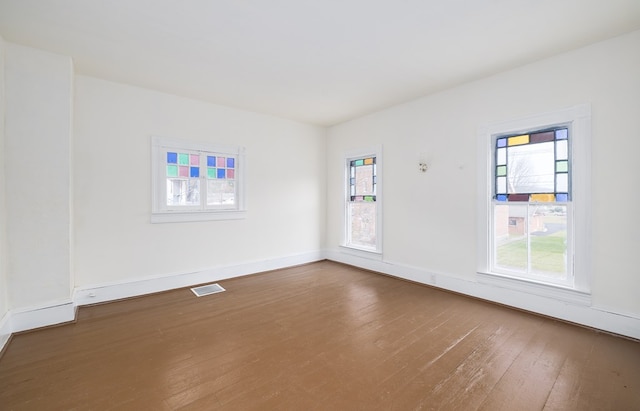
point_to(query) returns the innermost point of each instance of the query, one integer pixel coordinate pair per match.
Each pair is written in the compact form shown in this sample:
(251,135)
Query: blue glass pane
(194,172)
(172,158)
(502,142)
(563,198)
(352,181)
(221,173)
(562,134)
(501,197)
(211,161)
(231,162)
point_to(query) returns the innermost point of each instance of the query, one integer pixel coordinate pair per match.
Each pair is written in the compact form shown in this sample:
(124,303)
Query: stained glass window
(362,179)
(196,181)
(183,172)
(533,167)
(182,176)
(361,205)
(532,192)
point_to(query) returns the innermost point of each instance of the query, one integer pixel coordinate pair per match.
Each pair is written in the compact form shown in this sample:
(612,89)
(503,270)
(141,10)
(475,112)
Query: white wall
(4,303)
(115,241)
(430,219)
(38,109)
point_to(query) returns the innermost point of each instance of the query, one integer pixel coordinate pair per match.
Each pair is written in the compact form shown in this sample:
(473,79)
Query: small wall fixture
(422,162)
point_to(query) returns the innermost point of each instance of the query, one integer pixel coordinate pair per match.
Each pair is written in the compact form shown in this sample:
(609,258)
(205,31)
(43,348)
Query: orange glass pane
(368,161)
(543,198)
(518,140)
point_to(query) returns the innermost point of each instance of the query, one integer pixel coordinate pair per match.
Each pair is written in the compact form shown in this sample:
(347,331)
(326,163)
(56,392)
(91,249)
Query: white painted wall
(4,303)
(115,241)
(38,110)
(430,219)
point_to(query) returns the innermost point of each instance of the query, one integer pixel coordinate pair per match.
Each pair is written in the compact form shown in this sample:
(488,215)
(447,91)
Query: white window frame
(347,246)
(162,213)
(577,287)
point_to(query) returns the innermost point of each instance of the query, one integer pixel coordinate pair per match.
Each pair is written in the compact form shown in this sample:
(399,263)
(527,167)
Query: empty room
(290,205)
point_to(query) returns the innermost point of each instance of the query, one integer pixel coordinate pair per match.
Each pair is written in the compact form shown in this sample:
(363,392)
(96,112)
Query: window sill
(184,217)
(556,292)
(361,252)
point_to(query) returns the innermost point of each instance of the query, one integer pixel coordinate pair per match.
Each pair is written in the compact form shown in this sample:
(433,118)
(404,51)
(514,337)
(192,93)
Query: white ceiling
(315,61)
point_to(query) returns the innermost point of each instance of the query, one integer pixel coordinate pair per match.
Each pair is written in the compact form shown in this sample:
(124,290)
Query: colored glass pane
(221,162)
(368,198)
(194,172)
(501,197)
(562,134)
(172,171)
(518,140)
(211,172)
(501,170)
(562,166)
(542,137)
(518,197)
(562,150)
(562,183)
(562,197)
(358,163)
(172,158)
(501,185)
(231,173)
(368,161)
(501,157)
(543,198)
(501,142)
(183,159)
(231,162)
(183,171)
(221,172)
(211,161)
(194,160)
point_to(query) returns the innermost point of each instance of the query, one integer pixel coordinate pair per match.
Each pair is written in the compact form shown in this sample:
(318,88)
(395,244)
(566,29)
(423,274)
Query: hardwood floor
(317,337)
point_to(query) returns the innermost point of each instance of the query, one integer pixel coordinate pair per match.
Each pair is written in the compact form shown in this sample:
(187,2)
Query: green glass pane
(183,159)
(211,172)
(562,166)
(368,198)
(359,163)
(172,171)
(501,171)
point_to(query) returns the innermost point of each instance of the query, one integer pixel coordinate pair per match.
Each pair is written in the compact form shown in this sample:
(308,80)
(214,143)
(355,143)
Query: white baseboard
(44,315)
(570,306)
(64,311)
(5,330)
(29,318)
(118,290)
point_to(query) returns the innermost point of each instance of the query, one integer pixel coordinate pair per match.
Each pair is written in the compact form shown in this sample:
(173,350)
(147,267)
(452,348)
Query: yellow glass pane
(543,198)
(517,140)
(368,161)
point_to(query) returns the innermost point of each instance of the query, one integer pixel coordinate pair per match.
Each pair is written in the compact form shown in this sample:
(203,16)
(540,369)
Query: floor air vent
(207,289)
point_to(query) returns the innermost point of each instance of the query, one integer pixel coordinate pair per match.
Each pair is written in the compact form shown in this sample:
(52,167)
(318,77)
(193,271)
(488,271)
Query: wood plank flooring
(322,336)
